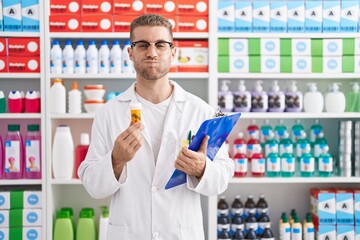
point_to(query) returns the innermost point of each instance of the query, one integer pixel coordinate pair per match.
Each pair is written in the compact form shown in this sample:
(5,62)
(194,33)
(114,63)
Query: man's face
(151,63)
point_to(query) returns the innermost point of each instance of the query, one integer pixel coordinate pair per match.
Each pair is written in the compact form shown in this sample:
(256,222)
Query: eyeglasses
(161,47)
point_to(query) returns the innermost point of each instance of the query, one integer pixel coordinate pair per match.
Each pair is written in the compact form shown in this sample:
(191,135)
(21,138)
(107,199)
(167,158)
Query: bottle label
(302,148)
(239,211)
(241,165)
(240,148)
(271,148)
(319,149)
(253,148)
(12,156)
(222,226)
(241,101)
(287,164)
(307,164)
(223,211)
(325,164)
(296,234)
(32,151)
(273,164)
(255,225)
(314,133)
(286,148)
(237,226)
(309,233)
(258,165)
(265,134)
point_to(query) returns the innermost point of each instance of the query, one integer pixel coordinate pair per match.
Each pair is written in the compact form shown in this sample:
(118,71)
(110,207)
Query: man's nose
(151,51)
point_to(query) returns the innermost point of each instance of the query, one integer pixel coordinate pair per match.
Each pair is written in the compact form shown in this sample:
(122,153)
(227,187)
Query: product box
(193,56)
(30,15)
(192,7)
(192,24)
(96,7)
(345,232)
(20,199)
(357,232)
(128,7)
(331,16)
(160,7)
(349,16)
(357,206)
(261,16)
(64,23)
(348,64)
(348,46)
(96,23)
(233,46)
(24,64)
(301,64)
(65,7)
(323,206)
(122,23)
(332,47)
(233,64)
(316,47)
(332,64)
(254,64)
(3,46)
(313,16)
(270,64)
(296,16)
(243,16)
(173,19)
(278,16)
(12,15)
(285,46)
(270,46)
(33,233)
(326,232)
(1,18)
(301,47)
(226,16)
(357,46)
(344,206)
(254,46)
(21,218)
(4,64)
(286,64)
(23,47)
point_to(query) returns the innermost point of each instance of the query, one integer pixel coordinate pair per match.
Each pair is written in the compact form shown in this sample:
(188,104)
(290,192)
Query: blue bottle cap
(80,42)
(116,42)
(92,42)
(68,42)
(104,42)
(56,42)
(127,42)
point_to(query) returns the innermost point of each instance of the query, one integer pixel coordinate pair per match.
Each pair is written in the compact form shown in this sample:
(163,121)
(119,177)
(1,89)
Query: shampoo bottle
(276,100)
(352,99)
(86,225)
(14,153)
(74,99)
(225,97)
(103,222)
(293,99)
(33,152)
(309,228)
(57,97)
(1,158)
(81,151)
(313,100)
(298,131)
(335,100)
(259,98)
(63,153)
(63,228)
(242,98)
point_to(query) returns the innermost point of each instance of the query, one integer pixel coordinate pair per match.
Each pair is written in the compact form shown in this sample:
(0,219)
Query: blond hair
(150,20)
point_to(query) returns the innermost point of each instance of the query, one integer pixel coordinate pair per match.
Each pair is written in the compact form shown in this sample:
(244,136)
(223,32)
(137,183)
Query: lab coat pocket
(191,231)
(118,233)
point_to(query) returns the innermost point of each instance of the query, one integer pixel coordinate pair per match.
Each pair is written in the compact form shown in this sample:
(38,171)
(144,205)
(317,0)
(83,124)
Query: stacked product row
(18,158)
(117,15)
(288,16)
(291,100)
(21,215)
(287,55)
(18,102)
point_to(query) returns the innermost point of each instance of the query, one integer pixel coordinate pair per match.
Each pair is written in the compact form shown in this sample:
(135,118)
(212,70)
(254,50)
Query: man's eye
(161,45)
(143,45)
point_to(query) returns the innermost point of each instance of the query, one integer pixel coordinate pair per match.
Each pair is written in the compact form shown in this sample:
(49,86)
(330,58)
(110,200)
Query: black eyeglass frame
(133,44)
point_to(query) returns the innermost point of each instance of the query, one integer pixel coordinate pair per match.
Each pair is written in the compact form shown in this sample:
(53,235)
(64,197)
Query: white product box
(313,16)
(349,16)
(270,46)
(226,16)
(5,200)
(357,64)
(20,218)
(239,64)
(278,16)
(331,16)
(243,16)
(33,233)
(238,47)
(345,232)
(301,47)
(326,232)
(12,15)
(270,64)
(29,199)
(332,64)
(301,64)
(30,15)
(332,47)
(296,16)
(261,16)
(4,218)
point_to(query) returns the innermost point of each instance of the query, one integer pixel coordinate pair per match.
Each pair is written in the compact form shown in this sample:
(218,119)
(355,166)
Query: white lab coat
(141,208)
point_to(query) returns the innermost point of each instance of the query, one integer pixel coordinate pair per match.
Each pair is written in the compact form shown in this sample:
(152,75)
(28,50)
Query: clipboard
(218,129)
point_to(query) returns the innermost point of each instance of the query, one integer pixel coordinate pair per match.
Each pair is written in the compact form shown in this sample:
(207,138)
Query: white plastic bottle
(92,58)
(127,66)
(276,98)
(63,153)
(56,58)
(103,222)
(80,58)
(57,97)
(313,99)
(335,100)
(242,98)
(68,57)
(115,57)
(74,99)
(225,97)
(104,58)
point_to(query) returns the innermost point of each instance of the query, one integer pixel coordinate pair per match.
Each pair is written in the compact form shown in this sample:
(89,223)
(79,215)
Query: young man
(132,163)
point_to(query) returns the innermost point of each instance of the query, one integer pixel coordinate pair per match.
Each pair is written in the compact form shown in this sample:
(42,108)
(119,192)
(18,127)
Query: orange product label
(192,24)
(64,23)
(122,22)
(24,64)
(129,7)
(23,46)
(135,116)
(97,23)
(160,6)
(193,7)
(61,7)
(96,7)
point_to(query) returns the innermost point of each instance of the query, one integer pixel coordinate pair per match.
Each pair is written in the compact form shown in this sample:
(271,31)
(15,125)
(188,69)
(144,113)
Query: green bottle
(273,168)
(353,99)
(2,102)
(286,145)
(280,131)
(316,131)
(325,165)
(320,147)
(307,165)
(287,165)
(271,146)
(298,131)
(63,228)
(86,225)
(266,133)
(71,214)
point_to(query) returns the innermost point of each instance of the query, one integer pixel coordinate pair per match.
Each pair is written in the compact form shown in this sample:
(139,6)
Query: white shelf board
(120,35)
(286,180)
(20,115)
(19,34)
(66,182)
(288,35)
(20,75)
(4,182)
(73,116)
(177,75)
(300,115)
(320,76)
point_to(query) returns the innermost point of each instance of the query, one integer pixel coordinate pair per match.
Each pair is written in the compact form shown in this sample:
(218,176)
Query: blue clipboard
(218,129)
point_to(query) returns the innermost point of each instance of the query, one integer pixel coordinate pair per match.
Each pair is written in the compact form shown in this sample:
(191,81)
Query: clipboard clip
(219,113)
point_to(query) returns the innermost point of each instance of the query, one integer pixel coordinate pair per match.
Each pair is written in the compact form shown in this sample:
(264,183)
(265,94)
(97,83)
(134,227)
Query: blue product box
(296,16)
(331,16)
(345,232)
(12,15)
(243,16)
(357,201)
(226,16)
(344,207)
(349,16)
(278,16)
(30,15)
(313,16)
(261,16)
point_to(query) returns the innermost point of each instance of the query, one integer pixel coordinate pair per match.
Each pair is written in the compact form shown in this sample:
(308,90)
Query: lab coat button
(155,234)
(153,189)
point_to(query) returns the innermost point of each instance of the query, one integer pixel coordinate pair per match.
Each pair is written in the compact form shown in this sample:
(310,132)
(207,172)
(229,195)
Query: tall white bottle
(56,58)
(104,58)
(103,223)
(92,58)
(68,58)
(74,99)
(335,100)
(127,65)
(116,57)
(80,58)
(313,99)
(63,153)
(57,97)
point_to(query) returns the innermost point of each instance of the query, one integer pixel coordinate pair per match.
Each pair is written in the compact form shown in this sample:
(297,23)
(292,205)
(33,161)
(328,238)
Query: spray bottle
(225,97)
(242,98)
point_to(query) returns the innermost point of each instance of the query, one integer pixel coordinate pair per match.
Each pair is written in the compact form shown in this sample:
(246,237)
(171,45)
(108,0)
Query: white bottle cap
(312,87)
(242,87)
(84,139)
(224,86)
(2,94)
(293,87)
(258,86)
(275,86)
(135,105)
(335,87)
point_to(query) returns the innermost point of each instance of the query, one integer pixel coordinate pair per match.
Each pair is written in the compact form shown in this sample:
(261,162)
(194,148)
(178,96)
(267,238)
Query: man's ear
(130,52)
(173,53)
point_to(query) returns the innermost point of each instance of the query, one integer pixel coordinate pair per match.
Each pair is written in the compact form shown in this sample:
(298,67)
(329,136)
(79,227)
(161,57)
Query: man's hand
(193,163)
(125,147)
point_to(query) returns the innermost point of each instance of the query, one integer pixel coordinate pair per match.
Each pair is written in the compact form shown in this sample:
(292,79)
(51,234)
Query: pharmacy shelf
(292,76)
(177,75)
(288,35)
(6,182)
(66,182)
(120,35)
(19,34)
(300,115)
(20,115)
(73,116)
(6,76)
(269,180)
